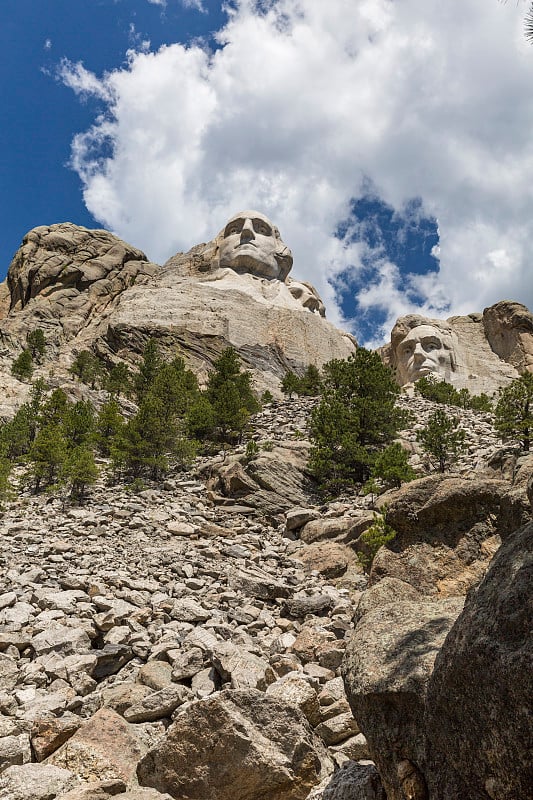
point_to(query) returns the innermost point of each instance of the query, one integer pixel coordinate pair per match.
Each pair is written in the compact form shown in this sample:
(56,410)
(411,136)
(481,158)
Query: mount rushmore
(90,290)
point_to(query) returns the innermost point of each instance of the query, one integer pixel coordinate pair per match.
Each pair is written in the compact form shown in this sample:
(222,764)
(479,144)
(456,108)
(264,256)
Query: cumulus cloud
(301,104)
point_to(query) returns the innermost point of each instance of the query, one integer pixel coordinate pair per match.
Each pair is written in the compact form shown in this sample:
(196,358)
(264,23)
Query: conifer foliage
(514,411)
(354,421)
(441,439)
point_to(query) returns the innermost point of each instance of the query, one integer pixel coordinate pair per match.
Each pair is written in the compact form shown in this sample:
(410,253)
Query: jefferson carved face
(424,351)
(251,243)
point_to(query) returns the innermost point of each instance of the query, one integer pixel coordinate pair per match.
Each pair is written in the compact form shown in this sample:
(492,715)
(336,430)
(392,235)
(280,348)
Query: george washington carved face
(251,243)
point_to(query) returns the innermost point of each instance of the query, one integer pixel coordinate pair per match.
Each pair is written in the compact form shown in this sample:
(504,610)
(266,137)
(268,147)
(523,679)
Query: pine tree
(54,410)
(5,486)
(79,423)
(146,441)
(108,425)
(46,457)
(391,466)
(36,344)
(88,368)
(355,419)
(149,367)
(290,384)
(119,380)
(79,471)
(22,366)
(377,535)
(229,390)
(513,416)
(441,439)
(200,421)
(310,383)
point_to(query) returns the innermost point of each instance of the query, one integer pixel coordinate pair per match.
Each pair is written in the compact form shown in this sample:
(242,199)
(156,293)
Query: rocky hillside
(215,637)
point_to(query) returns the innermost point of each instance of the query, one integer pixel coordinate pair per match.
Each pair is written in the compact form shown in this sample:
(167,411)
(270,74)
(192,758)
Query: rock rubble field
(215,636)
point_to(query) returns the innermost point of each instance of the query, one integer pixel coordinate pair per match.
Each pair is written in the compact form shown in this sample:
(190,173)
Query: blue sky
(388,139)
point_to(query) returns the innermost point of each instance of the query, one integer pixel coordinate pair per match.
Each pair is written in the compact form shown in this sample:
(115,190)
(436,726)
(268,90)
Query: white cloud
(305,100)
(198,4)
(47,44)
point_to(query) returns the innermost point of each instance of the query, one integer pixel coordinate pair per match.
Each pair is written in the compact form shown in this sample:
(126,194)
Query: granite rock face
(386,670)
(478,710)
(90,290)
(508,327)
(480,352)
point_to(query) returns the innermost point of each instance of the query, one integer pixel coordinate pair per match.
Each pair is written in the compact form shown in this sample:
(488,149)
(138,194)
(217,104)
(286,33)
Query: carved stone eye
(233,228)
(262,228)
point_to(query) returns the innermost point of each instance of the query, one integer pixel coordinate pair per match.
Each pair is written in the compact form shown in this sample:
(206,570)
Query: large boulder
(386,670)
(104,747)
(479,701)
(447,530)
(235,745)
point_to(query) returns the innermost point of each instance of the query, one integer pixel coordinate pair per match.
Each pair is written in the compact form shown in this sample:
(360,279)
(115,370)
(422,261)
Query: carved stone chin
(250,242)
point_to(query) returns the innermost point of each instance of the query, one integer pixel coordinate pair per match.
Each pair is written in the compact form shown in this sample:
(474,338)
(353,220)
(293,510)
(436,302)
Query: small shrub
(379,533)
(252,450)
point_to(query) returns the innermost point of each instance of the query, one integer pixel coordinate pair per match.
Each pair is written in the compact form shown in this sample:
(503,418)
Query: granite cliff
(90,290)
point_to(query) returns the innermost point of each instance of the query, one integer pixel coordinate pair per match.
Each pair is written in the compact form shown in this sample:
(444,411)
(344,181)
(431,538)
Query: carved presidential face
(424,351)
(251,243)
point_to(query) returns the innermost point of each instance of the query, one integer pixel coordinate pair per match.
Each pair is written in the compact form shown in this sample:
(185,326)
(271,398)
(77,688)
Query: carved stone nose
(247,231)
(419,353)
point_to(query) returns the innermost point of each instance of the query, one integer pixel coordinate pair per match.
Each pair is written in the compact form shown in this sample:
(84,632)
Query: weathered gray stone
(388,663)
(34,782)
(259,749)
(158,705)
(354,782)
(478,712)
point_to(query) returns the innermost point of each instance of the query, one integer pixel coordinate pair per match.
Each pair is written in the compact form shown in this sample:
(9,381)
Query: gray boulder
(235,745)
(479,703)
(387,666)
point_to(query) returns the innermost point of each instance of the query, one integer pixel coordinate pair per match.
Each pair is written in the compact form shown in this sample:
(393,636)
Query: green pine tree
(79,423)
(149,367)
(89,369)
(46,457)
(391,467)
(5,485)
(119,380)
(513,416)
(200,421)
(22,367)
(377,535)
(355,419)
(79,471)
(310,384)
(229,390)
(290,384)
(108,425)
(36,344)
(441,439)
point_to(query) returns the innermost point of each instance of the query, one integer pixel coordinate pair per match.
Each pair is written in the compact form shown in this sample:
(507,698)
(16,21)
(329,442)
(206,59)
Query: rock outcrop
(386,671)
(478,708)
(480,352)
(90,290)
